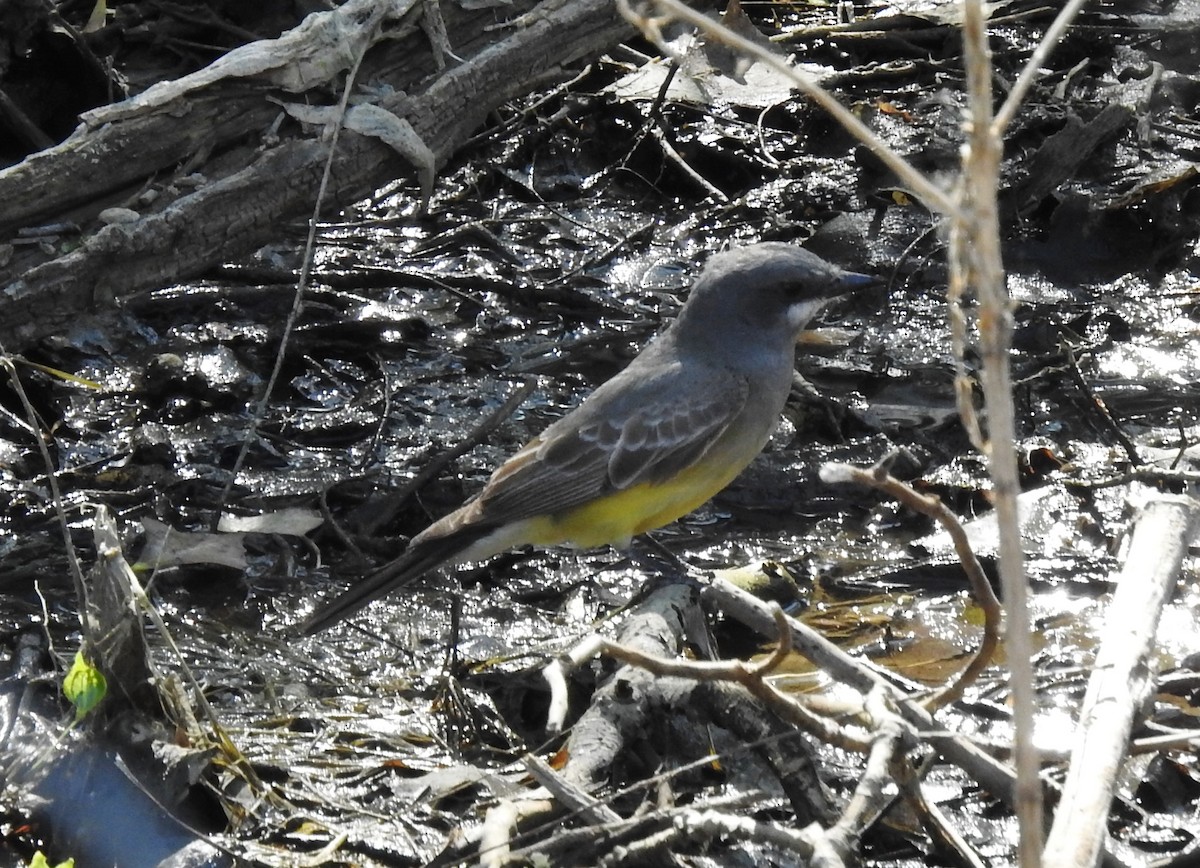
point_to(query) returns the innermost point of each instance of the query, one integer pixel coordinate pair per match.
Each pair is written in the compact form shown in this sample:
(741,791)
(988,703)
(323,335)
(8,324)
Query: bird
(652,443)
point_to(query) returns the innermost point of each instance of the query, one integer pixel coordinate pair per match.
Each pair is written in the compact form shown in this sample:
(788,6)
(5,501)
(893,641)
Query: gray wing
(628,432)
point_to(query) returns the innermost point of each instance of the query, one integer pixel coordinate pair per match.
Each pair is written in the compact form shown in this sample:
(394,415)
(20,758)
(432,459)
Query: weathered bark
(248,191)
(1121,679)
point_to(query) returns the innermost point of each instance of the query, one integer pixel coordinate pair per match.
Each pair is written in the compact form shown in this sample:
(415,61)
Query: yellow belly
(616,518)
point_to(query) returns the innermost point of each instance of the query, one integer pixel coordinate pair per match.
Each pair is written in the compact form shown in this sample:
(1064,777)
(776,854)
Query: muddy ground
(555,245)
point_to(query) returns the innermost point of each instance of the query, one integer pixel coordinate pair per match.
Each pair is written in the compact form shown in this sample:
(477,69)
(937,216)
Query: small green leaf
(62,375)
(98,17)
(84,686)
(39,861)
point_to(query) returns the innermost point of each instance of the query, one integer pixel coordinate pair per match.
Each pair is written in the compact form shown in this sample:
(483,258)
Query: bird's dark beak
(850,282)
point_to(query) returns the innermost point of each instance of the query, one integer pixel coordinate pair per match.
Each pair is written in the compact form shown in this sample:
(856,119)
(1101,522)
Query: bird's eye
(793,289)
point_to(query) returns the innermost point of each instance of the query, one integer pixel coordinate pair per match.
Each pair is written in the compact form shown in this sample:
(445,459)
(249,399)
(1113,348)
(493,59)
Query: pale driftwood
(891,738)
(619,708)
(247,195)
(618,712)
(556,672)
(1120,680)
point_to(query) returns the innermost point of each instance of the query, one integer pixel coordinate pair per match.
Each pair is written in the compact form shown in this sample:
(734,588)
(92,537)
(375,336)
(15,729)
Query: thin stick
(981,589)
(751,676)
(260,408)
(981,267)
(929,193)
(55,495)
(1034,66)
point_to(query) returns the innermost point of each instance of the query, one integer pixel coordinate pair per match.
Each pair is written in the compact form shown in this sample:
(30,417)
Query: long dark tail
(414,563)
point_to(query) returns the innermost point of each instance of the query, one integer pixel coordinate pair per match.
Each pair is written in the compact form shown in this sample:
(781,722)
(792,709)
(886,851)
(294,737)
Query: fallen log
(250,188)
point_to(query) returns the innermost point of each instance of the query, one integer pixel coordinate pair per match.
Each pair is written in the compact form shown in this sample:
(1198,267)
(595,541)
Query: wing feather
(649,433)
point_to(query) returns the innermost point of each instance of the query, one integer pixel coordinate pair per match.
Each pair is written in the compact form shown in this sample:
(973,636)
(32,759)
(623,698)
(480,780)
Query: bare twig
(260,407)
(555,673)
(55,493)
(937,825)
(718,824)
(385,511)
(581,803)
(931,506)
(852,672)
(1156,476)
(752,676)
(495,843)
(1098,407)
(933,196)
(1034,66)
(890,736)
(975,262)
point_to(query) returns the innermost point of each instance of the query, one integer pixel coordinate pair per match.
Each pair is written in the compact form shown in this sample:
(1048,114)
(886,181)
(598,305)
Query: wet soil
(554,247)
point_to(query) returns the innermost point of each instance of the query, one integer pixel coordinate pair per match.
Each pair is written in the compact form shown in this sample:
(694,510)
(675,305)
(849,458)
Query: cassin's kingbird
(654,442)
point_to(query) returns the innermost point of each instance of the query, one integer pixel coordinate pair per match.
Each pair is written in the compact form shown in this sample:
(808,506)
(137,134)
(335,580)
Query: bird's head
(765,292)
